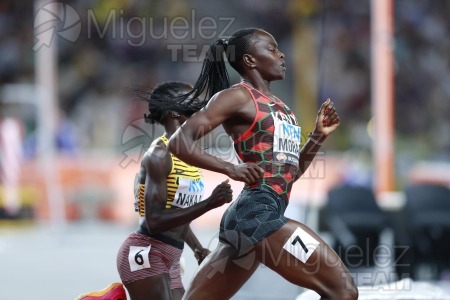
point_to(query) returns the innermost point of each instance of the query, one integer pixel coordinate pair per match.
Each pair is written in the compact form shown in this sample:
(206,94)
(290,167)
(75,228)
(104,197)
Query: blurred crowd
(135,42)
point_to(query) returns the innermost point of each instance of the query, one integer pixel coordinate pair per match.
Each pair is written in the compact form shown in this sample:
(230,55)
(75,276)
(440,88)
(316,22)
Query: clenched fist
(222,194)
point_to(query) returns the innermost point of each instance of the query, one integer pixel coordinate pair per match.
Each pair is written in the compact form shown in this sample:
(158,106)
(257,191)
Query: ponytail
(213,76)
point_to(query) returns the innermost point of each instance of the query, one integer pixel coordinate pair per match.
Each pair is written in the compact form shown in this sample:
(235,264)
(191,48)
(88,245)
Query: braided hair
(161,100)
(214,76)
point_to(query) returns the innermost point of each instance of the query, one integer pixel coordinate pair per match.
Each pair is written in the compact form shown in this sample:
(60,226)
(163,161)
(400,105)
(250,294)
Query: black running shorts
(254,215)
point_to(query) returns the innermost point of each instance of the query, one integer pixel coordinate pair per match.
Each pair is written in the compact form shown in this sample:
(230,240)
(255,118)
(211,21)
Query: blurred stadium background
(70,141)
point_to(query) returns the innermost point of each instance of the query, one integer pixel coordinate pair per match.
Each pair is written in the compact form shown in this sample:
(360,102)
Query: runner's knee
(347,293)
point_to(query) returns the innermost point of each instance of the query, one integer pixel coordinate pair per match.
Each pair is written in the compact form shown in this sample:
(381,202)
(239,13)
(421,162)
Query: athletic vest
(185,186)
(272,142)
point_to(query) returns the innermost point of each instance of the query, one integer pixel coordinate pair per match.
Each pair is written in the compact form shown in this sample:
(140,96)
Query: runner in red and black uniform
(279,157)
(254,229)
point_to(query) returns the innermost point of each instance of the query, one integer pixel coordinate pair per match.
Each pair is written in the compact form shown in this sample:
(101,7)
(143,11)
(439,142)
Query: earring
(175,115)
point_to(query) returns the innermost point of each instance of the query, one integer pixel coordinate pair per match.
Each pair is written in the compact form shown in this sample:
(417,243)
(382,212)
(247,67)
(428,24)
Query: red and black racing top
(272,142)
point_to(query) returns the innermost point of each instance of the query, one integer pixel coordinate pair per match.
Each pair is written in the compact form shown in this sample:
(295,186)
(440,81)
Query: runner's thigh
(155,287)
(299,255)
(221,274)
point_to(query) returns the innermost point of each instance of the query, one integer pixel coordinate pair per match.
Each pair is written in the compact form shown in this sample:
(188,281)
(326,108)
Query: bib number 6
(138,258)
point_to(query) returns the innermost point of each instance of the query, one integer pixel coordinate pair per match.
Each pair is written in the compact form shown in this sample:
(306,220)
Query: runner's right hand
(248,173)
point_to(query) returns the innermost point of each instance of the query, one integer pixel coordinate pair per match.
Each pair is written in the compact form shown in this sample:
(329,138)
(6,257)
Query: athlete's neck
(171,126)
(262,86)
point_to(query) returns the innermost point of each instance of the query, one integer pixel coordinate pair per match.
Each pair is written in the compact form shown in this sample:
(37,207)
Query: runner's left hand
(327,119)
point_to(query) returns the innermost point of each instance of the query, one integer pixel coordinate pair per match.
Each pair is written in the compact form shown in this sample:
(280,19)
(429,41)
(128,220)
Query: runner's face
(268,59)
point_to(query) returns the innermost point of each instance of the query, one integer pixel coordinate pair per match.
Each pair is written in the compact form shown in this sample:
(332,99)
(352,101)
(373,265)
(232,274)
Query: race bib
(301,244)
(138,257)
(189,192)
(286,142)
